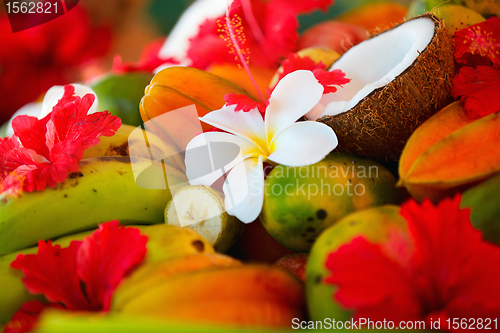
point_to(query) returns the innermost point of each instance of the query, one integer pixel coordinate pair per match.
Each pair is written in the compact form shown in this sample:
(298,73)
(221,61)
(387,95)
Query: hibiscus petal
(31,132)
(371,284)
(54,94)
(452,262)
(25,319)
(244,190)
(51,272)
(303,143)
(210,155)
(247,125)
(294,96)
(32,109)
(476,87)
(104,259)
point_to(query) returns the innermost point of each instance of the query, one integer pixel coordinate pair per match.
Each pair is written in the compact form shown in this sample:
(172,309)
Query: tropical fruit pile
(342,175)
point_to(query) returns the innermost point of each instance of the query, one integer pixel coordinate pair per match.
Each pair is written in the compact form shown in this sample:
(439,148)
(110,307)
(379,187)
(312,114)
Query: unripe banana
(165,242)
(201,208)
(103,189)
(152,274)
(251,295)
(139,142)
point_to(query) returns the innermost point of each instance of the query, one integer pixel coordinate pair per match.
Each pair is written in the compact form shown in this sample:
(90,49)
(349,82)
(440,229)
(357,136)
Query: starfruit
(449,153)
(176,87)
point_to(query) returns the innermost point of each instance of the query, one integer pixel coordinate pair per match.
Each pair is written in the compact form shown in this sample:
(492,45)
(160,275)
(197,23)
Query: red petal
(479,89)
(106,257)
(481,39)
(454,268)
(328,79)
(375,286)
(25,319)
(244,103)
(52,272)
(31,132)
(294,62)
(148,61)
(277,20)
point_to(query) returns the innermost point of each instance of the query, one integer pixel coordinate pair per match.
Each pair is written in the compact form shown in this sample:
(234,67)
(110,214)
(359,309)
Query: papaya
(484,202)
(450,153)
(301,202)
(378,225)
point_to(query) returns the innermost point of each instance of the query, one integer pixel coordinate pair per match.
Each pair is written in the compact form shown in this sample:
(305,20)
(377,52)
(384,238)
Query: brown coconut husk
(381,123)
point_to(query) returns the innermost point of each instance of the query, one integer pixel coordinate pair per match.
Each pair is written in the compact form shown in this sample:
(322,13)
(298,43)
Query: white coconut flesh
(374,63)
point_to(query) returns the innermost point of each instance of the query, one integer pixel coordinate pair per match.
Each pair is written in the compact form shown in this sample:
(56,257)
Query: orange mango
(375,16)
(449,153)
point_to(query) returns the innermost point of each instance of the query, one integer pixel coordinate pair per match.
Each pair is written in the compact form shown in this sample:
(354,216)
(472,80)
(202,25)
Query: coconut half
(399,78)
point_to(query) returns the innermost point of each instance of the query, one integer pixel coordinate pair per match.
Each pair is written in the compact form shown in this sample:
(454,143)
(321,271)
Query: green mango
(121,94)
(484,203)
(374,224)
(301,202)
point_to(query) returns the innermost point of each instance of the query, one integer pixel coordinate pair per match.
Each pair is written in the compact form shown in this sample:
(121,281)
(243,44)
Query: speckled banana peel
(103,189)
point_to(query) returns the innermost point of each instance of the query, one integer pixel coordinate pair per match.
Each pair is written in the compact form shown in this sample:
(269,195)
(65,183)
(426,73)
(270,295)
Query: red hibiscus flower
(148,62)
(33,60)
(478,83)
(451,272)
(293,63)
(42,152)
(270,29)
(81,277)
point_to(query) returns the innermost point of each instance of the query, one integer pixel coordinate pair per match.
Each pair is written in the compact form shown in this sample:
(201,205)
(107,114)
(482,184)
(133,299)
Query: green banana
(135,141)
(12,291)
(164,243)
(103,189)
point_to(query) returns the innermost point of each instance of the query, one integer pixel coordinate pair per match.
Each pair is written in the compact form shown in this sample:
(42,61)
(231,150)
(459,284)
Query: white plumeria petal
(247,125)
(55,93)
(244,190)
(32,109)
(210,155)
(294,96)
(303,143)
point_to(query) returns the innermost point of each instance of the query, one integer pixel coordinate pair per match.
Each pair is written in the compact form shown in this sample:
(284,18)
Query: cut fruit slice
(202,209)
(399,79)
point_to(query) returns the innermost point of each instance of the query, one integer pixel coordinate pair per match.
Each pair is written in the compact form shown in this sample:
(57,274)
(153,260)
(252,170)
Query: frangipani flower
(277,139)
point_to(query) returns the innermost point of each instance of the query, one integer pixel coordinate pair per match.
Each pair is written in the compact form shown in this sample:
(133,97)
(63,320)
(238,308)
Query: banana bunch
(107,186)
(165,243)
(228,293)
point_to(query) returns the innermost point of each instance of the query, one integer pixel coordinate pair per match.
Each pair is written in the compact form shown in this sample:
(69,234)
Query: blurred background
(83,43)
